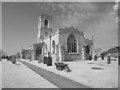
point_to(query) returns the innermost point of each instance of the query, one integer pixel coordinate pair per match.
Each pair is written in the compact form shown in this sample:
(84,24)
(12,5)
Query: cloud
(105,32)
(92,18)
(72,14)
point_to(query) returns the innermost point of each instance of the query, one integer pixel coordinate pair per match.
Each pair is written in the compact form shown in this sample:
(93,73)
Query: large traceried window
(71,44)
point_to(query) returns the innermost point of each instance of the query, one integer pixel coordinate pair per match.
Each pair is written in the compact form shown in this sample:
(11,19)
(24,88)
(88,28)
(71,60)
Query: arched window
(71,44)
(46,23)
(53,46)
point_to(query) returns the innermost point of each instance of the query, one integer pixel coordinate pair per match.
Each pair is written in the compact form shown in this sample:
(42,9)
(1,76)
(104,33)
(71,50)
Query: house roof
(38,44)
(25,51)
(113,50)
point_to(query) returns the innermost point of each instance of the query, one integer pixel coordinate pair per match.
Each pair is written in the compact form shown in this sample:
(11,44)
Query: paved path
(57,80)
(0,75)
(119,77)
(19,76)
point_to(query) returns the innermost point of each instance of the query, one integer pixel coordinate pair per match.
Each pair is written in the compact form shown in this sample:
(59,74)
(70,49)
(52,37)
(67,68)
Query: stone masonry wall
(63,42)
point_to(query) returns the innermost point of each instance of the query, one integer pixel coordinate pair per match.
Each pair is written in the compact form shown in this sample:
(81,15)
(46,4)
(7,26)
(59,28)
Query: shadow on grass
(113,59)
(97,68)
(90,63)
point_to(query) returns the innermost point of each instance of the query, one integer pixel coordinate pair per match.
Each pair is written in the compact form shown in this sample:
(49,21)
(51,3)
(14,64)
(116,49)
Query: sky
(19,22)
(0,25)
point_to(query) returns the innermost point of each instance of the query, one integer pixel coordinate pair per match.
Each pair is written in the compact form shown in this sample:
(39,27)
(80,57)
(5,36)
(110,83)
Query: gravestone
(49,61)
(108,59)
(95,57)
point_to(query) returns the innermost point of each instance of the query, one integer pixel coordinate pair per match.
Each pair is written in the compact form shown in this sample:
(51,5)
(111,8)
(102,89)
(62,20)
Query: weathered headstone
(102,56)
(90,57)
(108,59)
(119,59)
(95,57)
(49,61)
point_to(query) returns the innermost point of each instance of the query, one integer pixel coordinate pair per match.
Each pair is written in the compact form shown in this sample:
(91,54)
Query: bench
(60,66)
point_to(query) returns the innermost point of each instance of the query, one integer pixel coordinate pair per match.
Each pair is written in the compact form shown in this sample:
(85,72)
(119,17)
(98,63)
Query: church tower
(44,26)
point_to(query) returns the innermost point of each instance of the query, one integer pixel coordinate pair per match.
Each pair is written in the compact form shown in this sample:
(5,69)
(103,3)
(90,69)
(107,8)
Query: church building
(62,44)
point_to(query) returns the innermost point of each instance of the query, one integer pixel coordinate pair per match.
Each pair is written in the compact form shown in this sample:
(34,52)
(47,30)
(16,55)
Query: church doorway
(38,52)
(87,53)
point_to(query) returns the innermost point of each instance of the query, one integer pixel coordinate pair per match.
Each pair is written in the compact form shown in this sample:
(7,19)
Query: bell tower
(44,26)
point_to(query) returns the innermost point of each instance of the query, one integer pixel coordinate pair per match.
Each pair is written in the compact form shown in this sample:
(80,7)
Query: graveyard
(95,74)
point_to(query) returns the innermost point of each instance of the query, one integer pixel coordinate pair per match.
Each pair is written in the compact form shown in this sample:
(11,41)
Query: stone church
(62,44)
